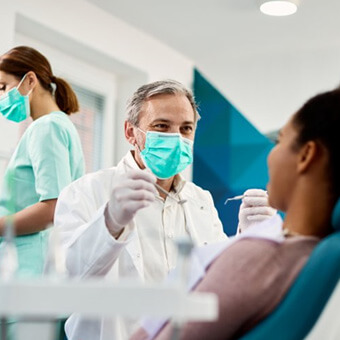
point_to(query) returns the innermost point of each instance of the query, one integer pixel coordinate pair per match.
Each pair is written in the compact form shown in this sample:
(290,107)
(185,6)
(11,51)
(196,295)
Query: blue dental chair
(295,316)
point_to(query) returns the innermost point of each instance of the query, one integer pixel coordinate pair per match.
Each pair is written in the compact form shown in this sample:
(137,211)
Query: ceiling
(212,32)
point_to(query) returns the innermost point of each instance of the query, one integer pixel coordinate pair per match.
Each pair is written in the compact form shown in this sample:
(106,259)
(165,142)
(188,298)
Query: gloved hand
(132,191)
(254,209)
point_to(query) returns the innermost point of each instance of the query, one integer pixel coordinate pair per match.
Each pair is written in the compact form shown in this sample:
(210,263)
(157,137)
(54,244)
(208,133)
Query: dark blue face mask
(166,154)
(14,106)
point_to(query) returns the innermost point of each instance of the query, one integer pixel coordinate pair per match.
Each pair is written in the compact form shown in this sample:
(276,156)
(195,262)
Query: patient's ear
(307,155)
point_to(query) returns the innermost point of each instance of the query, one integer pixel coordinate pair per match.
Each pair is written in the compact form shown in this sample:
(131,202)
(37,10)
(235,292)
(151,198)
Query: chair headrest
(336,215)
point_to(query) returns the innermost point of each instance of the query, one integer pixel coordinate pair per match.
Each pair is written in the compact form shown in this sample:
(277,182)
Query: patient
(253,274)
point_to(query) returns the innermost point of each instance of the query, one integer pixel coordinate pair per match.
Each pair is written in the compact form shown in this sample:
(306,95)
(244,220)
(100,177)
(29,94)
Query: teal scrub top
(48,157)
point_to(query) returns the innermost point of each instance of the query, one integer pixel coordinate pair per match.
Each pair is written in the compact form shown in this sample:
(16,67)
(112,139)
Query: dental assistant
(48,156)
(115,224)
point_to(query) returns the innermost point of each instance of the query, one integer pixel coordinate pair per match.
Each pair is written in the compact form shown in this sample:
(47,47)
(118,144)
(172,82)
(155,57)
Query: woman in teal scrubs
(49,154)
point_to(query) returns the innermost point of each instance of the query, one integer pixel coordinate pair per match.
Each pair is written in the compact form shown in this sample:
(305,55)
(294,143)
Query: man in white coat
(116,223)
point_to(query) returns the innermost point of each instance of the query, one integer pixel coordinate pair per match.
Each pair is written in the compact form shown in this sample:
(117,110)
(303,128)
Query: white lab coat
(92,251)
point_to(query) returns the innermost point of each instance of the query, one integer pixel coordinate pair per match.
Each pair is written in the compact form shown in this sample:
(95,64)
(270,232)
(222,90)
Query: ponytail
(65,97)
(22,59)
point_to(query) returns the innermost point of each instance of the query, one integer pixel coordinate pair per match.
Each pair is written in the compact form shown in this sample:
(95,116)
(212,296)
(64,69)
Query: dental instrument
(179,201)
(239,197)
(235,198)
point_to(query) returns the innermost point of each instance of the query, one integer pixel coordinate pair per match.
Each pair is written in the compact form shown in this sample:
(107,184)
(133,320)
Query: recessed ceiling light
(278,7)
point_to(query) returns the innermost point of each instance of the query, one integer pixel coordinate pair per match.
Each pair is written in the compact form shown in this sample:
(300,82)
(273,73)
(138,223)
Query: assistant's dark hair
(319,120)
(22,59)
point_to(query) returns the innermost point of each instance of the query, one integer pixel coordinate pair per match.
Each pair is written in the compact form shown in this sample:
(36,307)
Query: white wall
(268,86)
(97,30)
(84,31)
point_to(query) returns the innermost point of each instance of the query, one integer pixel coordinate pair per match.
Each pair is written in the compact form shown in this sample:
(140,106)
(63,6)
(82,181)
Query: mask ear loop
(138,148)
(136,145)
(29,92)
(21,81)
(138,128)
(140,151)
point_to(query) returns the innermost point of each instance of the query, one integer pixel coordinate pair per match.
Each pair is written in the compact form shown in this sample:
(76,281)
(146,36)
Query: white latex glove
(132,191)
(254,209)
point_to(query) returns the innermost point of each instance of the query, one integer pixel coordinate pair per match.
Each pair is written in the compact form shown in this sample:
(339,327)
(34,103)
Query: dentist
(115,223)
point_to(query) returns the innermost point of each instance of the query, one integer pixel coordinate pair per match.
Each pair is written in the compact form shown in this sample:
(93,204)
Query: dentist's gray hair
(168,86)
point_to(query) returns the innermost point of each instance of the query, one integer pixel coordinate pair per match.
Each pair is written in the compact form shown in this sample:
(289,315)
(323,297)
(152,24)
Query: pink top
(250,278)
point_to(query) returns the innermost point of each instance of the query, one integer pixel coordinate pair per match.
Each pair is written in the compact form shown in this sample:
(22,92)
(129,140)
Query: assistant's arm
(49,154)
(32,219)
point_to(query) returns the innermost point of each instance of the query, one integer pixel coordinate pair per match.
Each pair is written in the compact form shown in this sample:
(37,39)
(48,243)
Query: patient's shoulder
(256,255)
(252,276)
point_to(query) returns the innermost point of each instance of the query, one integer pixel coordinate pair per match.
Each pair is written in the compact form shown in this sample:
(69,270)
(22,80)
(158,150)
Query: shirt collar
(129,161)
(178,184)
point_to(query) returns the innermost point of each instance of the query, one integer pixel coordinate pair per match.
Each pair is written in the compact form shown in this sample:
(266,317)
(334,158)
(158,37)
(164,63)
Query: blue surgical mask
(166,154)
(14,106)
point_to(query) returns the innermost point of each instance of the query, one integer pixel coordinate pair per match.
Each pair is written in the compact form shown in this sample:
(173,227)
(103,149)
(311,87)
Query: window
(89,123)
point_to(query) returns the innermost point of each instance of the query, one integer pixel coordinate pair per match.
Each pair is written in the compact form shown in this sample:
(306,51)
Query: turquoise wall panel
(229,154)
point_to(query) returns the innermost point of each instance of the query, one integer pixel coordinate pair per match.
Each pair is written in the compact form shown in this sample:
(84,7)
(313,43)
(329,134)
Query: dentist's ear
(130,133)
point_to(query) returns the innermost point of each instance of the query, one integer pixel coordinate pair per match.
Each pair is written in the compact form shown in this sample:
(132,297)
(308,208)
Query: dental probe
(168,194)
(239,197)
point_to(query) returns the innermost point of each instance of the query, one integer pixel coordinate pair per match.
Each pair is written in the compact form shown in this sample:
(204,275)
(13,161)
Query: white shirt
(146,248)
